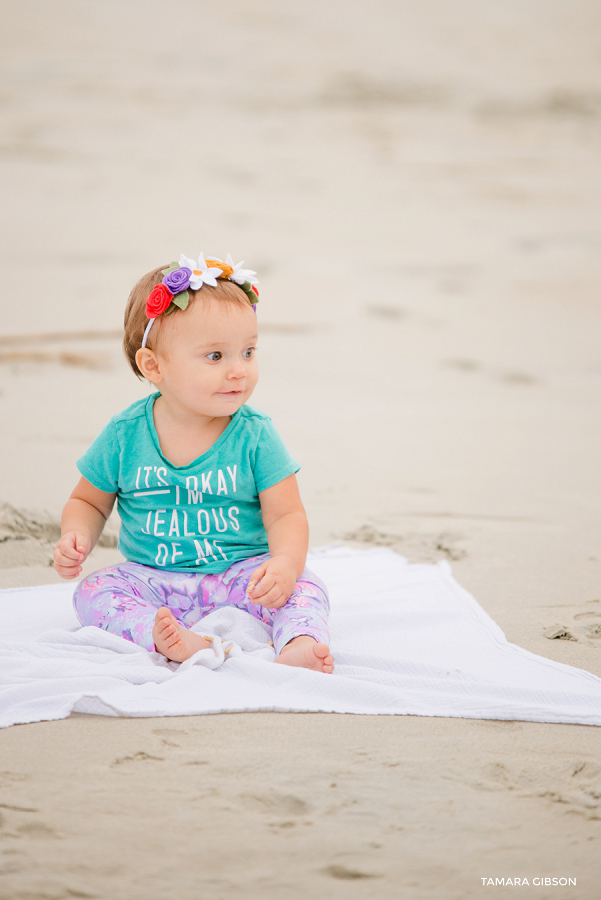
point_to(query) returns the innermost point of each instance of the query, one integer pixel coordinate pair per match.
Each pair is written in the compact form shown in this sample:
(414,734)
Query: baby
(210,510)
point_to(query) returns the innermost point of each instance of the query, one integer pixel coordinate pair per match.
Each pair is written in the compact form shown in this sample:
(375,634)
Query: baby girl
(210,510)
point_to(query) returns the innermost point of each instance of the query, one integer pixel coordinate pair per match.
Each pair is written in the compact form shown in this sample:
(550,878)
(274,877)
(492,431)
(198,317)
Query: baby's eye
(215,356)
(248,353)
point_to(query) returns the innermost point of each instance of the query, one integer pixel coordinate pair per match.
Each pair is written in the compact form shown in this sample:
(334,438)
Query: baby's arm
(83,519)
(287,530)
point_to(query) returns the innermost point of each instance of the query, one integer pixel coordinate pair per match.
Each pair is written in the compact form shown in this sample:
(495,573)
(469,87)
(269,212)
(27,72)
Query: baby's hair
(135,319)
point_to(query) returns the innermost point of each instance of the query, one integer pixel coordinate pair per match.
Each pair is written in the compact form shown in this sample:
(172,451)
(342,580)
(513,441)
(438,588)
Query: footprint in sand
(341,872)
(284,804)
(140,756)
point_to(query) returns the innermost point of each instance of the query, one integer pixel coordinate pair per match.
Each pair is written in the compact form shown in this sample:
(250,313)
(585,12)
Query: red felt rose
(254,289)
(158,300)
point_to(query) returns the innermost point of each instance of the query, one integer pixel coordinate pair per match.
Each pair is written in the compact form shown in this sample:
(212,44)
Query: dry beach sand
(417,184)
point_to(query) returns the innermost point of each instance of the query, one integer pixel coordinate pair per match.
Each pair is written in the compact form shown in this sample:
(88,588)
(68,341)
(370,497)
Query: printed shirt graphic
(201,517)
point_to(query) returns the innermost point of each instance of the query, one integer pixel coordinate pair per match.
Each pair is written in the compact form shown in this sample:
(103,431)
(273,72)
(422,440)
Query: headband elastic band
(146,332)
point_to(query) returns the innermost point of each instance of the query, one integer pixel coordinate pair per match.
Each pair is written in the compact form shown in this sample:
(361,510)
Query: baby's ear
(148,365)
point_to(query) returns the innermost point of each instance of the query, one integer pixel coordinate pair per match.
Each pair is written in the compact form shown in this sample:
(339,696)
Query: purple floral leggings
(124,598)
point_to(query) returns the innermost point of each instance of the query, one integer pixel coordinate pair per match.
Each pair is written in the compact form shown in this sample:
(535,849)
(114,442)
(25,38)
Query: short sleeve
(101,462)
(272,461)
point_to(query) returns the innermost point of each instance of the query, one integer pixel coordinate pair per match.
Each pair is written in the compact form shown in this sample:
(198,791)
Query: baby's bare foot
(305,651)
(173,640)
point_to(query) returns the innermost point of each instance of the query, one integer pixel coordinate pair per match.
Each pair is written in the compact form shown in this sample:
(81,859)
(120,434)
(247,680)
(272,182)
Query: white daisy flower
(201,272)
(239,274)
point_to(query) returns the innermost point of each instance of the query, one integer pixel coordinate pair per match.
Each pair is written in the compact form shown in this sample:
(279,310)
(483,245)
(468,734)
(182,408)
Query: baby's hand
(70,553)
(278,577)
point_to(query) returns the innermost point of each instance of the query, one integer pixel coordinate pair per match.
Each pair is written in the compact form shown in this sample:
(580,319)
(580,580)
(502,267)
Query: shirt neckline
(199,459)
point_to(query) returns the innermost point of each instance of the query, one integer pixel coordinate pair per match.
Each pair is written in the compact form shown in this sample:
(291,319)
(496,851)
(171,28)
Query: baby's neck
(184,437)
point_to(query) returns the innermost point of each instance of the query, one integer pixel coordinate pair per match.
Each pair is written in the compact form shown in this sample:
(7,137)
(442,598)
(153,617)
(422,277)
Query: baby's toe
(322,652)
(161,627)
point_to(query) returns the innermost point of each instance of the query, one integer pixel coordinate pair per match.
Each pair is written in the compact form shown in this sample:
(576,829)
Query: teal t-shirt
(202,517)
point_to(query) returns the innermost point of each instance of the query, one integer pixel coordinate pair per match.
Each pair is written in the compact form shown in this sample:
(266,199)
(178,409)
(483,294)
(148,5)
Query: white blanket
(407,639)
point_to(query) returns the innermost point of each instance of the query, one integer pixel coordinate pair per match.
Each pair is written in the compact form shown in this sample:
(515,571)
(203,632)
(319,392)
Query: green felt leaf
(170,309)
(182,299)
(247,288)
(172,267)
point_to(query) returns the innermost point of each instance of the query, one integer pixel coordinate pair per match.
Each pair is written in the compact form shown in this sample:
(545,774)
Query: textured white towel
(407,640)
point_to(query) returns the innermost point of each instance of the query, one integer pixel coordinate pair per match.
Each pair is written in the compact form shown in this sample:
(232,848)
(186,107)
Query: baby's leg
(300,631)
(300,628)
(143,606)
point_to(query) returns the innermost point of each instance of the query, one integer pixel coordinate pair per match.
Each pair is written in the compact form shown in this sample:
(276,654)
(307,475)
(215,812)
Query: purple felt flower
(178,280)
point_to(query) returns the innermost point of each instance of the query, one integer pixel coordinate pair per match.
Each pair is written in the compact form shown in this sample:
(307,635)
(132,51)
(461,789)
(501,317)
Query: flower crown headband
(189,274)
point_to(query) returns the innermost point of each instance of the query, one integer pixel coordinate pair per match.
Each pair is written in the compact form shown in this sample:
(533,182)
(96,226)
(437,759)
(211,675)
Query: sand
(418,186)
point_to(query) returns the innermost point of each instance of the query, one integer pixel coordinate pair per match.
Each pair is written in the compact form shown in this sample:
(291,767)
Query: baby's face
(209,366)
